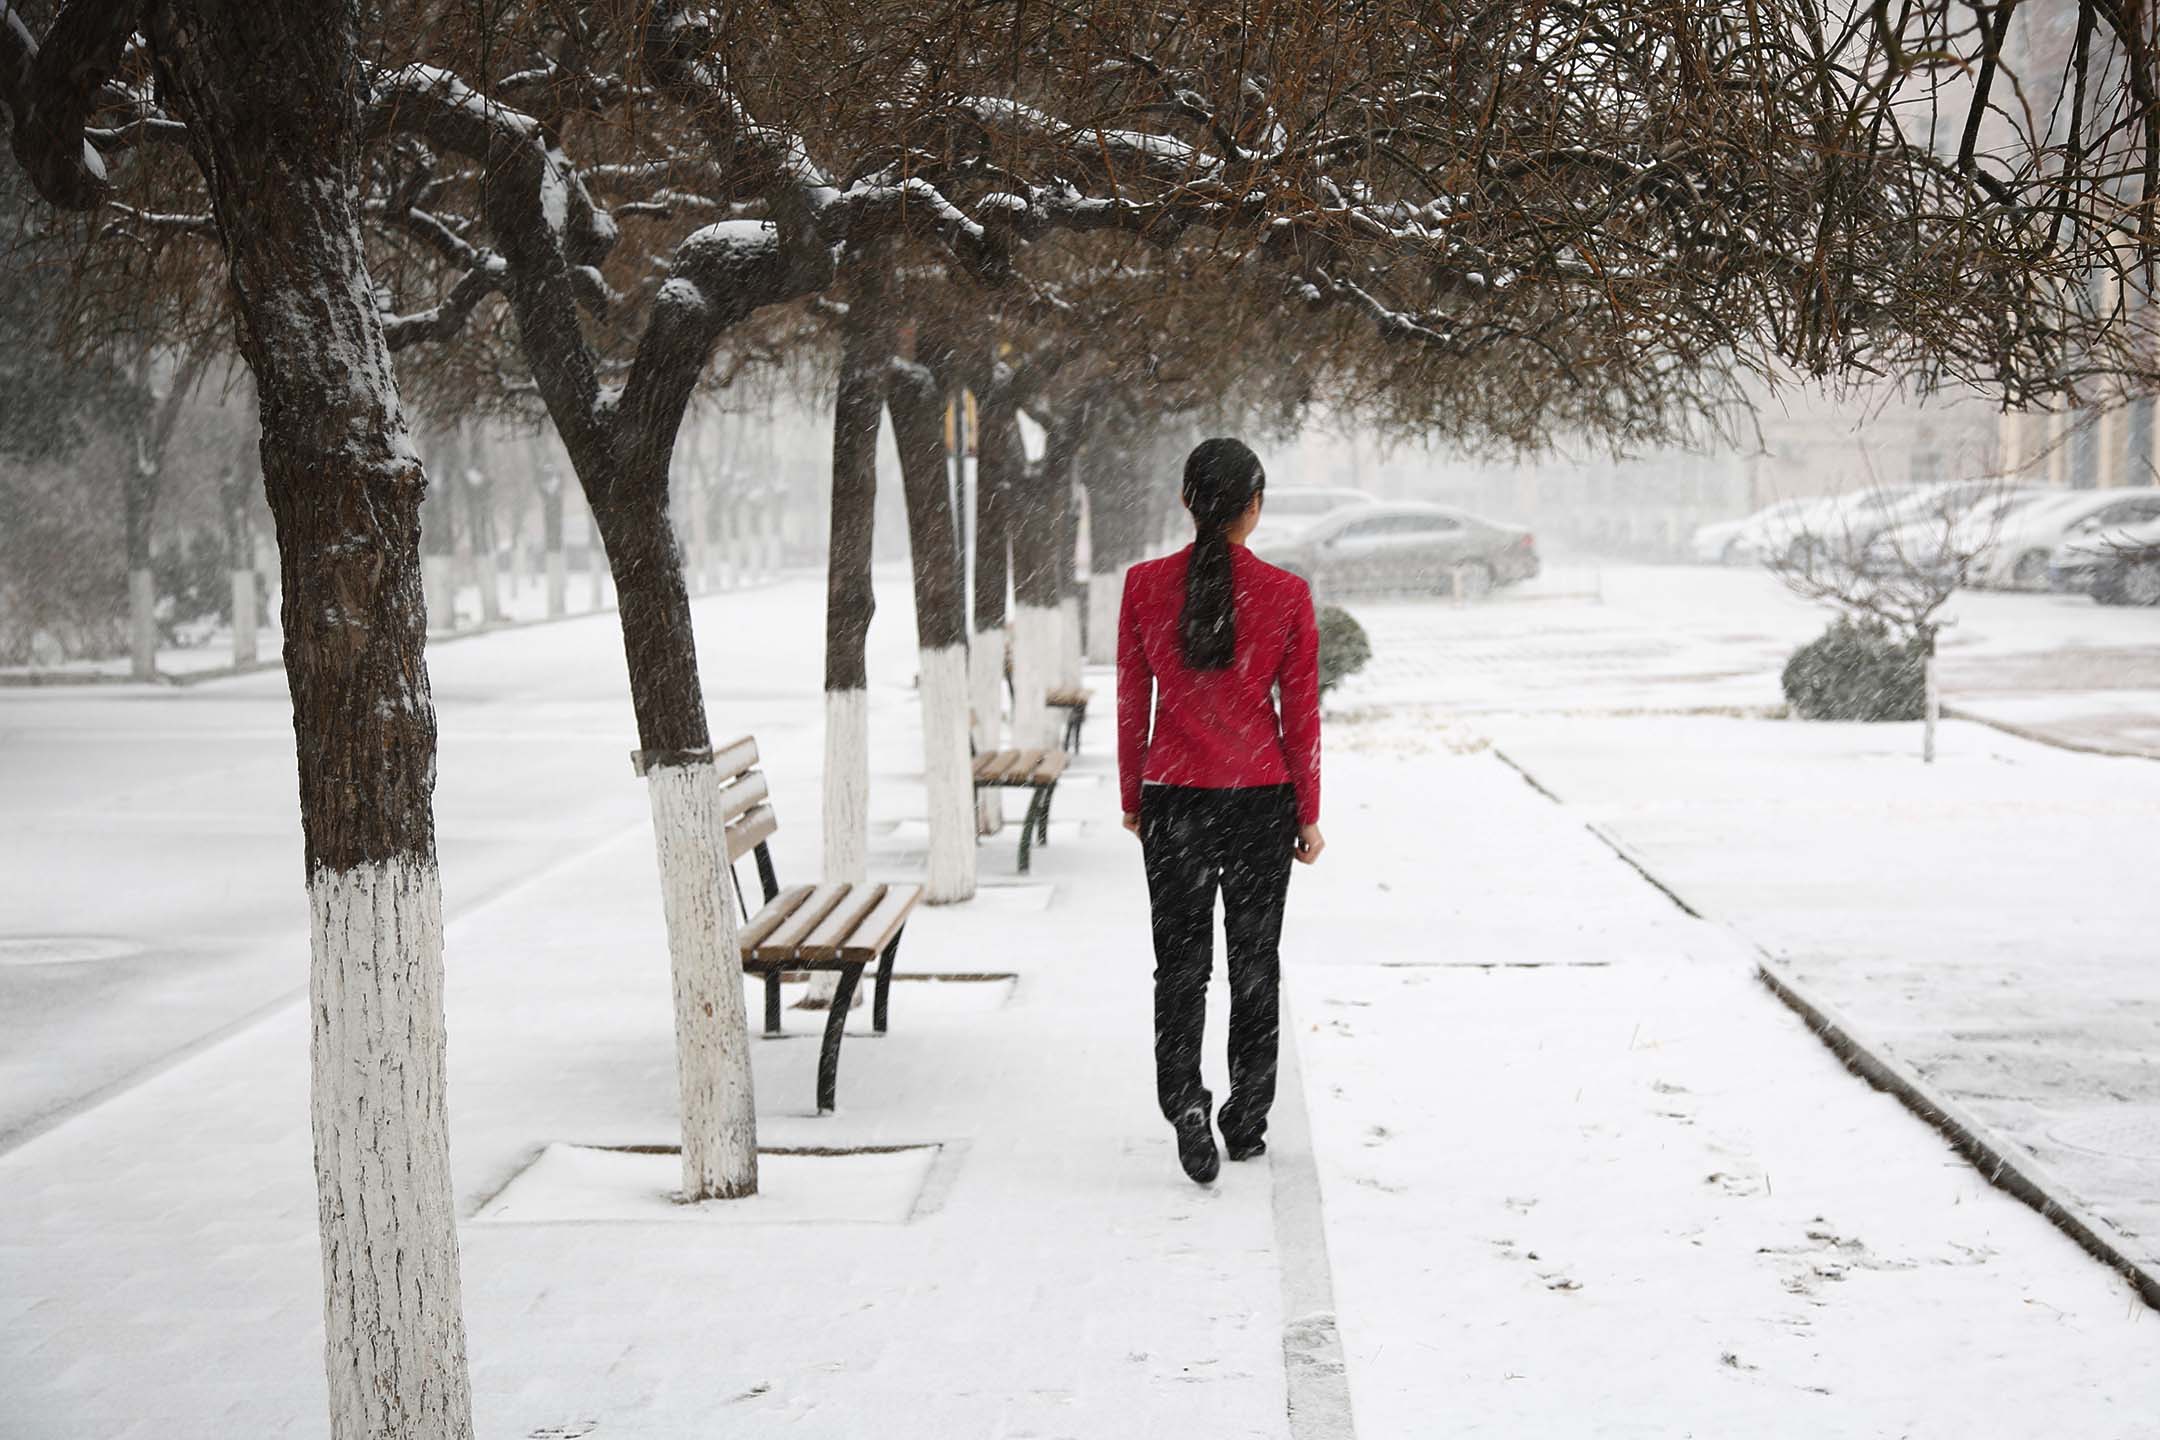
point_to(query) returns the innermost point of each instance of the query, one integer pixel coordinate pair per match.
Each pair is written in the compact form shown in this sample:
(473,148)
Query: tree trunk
(917,404)
(478,491)
(998,463)
(1036,583)
(1931,701)
(1065,499)
(239,563)
(272,110)
(139,494)
(1120,519)
(438,531)
(550,482)
(858,407)
(712,1034)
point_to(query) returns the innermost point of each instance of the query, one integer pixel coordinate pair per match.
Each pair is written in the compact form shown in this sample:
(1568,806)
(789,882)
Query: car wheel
(2107,586)
(1473,580)
(2030,573)
(2140,585)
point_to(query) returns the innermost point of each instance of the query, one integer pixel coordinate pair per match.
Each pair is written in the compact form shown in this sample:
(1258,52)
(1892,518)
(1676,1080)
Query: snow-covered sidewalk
(1046,1270)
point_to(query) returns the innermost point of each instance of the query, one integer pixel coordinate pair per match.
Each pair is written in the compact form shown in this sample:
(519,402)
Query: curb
(2003,1164)
(1995,1157)
(39,679)
(1316,1378)
(2042,737)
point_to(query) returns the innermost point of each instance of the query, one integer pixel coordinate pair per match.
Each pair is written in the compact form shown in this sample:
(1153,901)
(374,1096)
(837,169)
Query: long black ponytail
(1221,478)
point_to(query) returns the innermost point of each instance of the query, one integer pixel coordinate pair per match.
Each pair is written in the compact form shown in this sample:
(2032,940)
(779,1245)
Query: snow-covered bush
(1343,646)
(1858,670)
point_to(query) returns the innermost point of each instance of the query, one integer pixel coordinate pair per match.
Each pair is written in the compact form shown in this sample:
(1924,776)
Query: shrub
(1343,647)
(1857,670)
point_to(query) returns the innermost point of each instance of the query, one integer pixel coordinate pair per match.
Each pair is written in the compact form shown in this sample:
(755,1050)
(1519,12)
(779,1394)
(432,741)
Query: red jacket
(1219,728)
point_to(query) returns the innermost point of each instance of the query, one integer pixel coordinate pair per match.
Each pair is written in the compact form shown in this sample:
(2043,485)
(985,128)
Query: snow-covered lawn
(1991,919)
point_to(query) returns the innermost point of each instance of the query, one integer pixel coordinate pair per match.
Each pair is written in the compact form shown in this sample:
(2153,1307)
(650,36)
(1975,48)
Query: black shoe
(1244,1149)
(1196,1146)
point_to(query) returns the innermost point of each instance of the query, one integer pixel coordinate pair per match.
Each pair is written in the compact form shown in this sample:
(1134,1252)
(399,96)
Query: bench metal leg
(884,983)
(1027,828)
(1042,836)
(772,1002)
(828,1060)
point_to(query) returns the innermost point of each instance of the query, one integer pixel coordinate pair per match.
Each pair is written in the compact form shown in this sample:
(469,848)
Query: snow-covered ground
(1989,919)
(1580,1174)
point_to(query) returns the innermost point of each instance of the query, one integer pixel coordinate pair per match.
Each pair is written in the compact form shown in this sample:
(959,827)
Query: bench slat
(788,935)
(1069,699)
(743,794)
(769,916)
(1051,766)
(824,942)
(734,757)
(752,830)
(880,925)
(1021,764)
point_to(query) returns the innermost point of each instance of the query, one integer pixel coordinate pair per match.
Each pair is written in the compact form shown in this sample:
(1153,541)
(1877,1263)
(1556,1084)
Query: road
(150,838)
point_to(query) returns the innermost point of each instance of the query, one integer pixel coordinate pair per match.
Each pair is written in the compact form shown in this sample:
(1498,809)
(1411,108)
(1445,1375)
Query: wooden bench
(1035,770)
(1074,703)
(805,928)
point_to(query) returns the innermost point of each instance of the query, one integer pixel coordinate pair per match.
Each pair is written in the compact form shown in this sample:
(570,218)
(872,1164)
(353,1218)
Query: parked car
(1740,542)
(2115,563)
(2029,537)
(1379,549)
(1939,523)
(1833,524)
(1980,533)
(1285,510)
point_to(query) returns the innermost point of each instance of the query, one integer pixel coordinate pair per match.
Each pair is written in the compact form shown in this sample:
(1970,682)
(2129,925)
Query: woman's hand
(1309,844)
(1132,822)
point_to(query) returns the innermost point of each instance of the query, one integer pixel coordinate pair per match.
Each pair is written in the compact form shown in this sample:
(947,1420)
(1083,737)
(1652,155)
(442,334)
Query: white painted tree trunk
(244,623)
(1035,639)
(847,812)
(382,1155)
(1932,709)
(142,625)
(1105,593)
(986,693)
(438,577)
(712,1034)
(1069,657)
(490,580)
(558,585)
(946,775)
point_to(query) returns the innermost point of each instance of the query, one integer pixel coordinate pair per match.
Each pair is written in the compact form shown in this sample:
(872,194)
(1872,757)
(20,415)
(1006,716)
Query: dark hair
(1221,478)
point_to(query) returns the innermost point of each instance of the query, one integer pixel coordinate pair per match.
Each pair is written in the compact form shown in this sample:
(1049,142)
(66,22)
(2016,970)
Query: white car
(1980,533)
(2095,558)
(2018,560)
(1833,525)
(1737,542)
(1286,510)
(1940,525)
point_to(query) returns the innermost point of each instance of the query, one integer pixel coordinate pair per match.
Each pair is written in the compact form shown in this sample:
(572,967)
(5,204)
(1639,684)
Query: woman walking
(1221,787)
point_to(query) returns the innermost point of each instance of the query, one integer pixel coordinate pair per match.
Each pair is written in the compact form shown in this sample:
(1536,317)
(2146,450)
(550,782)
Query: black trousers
(1195,841)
